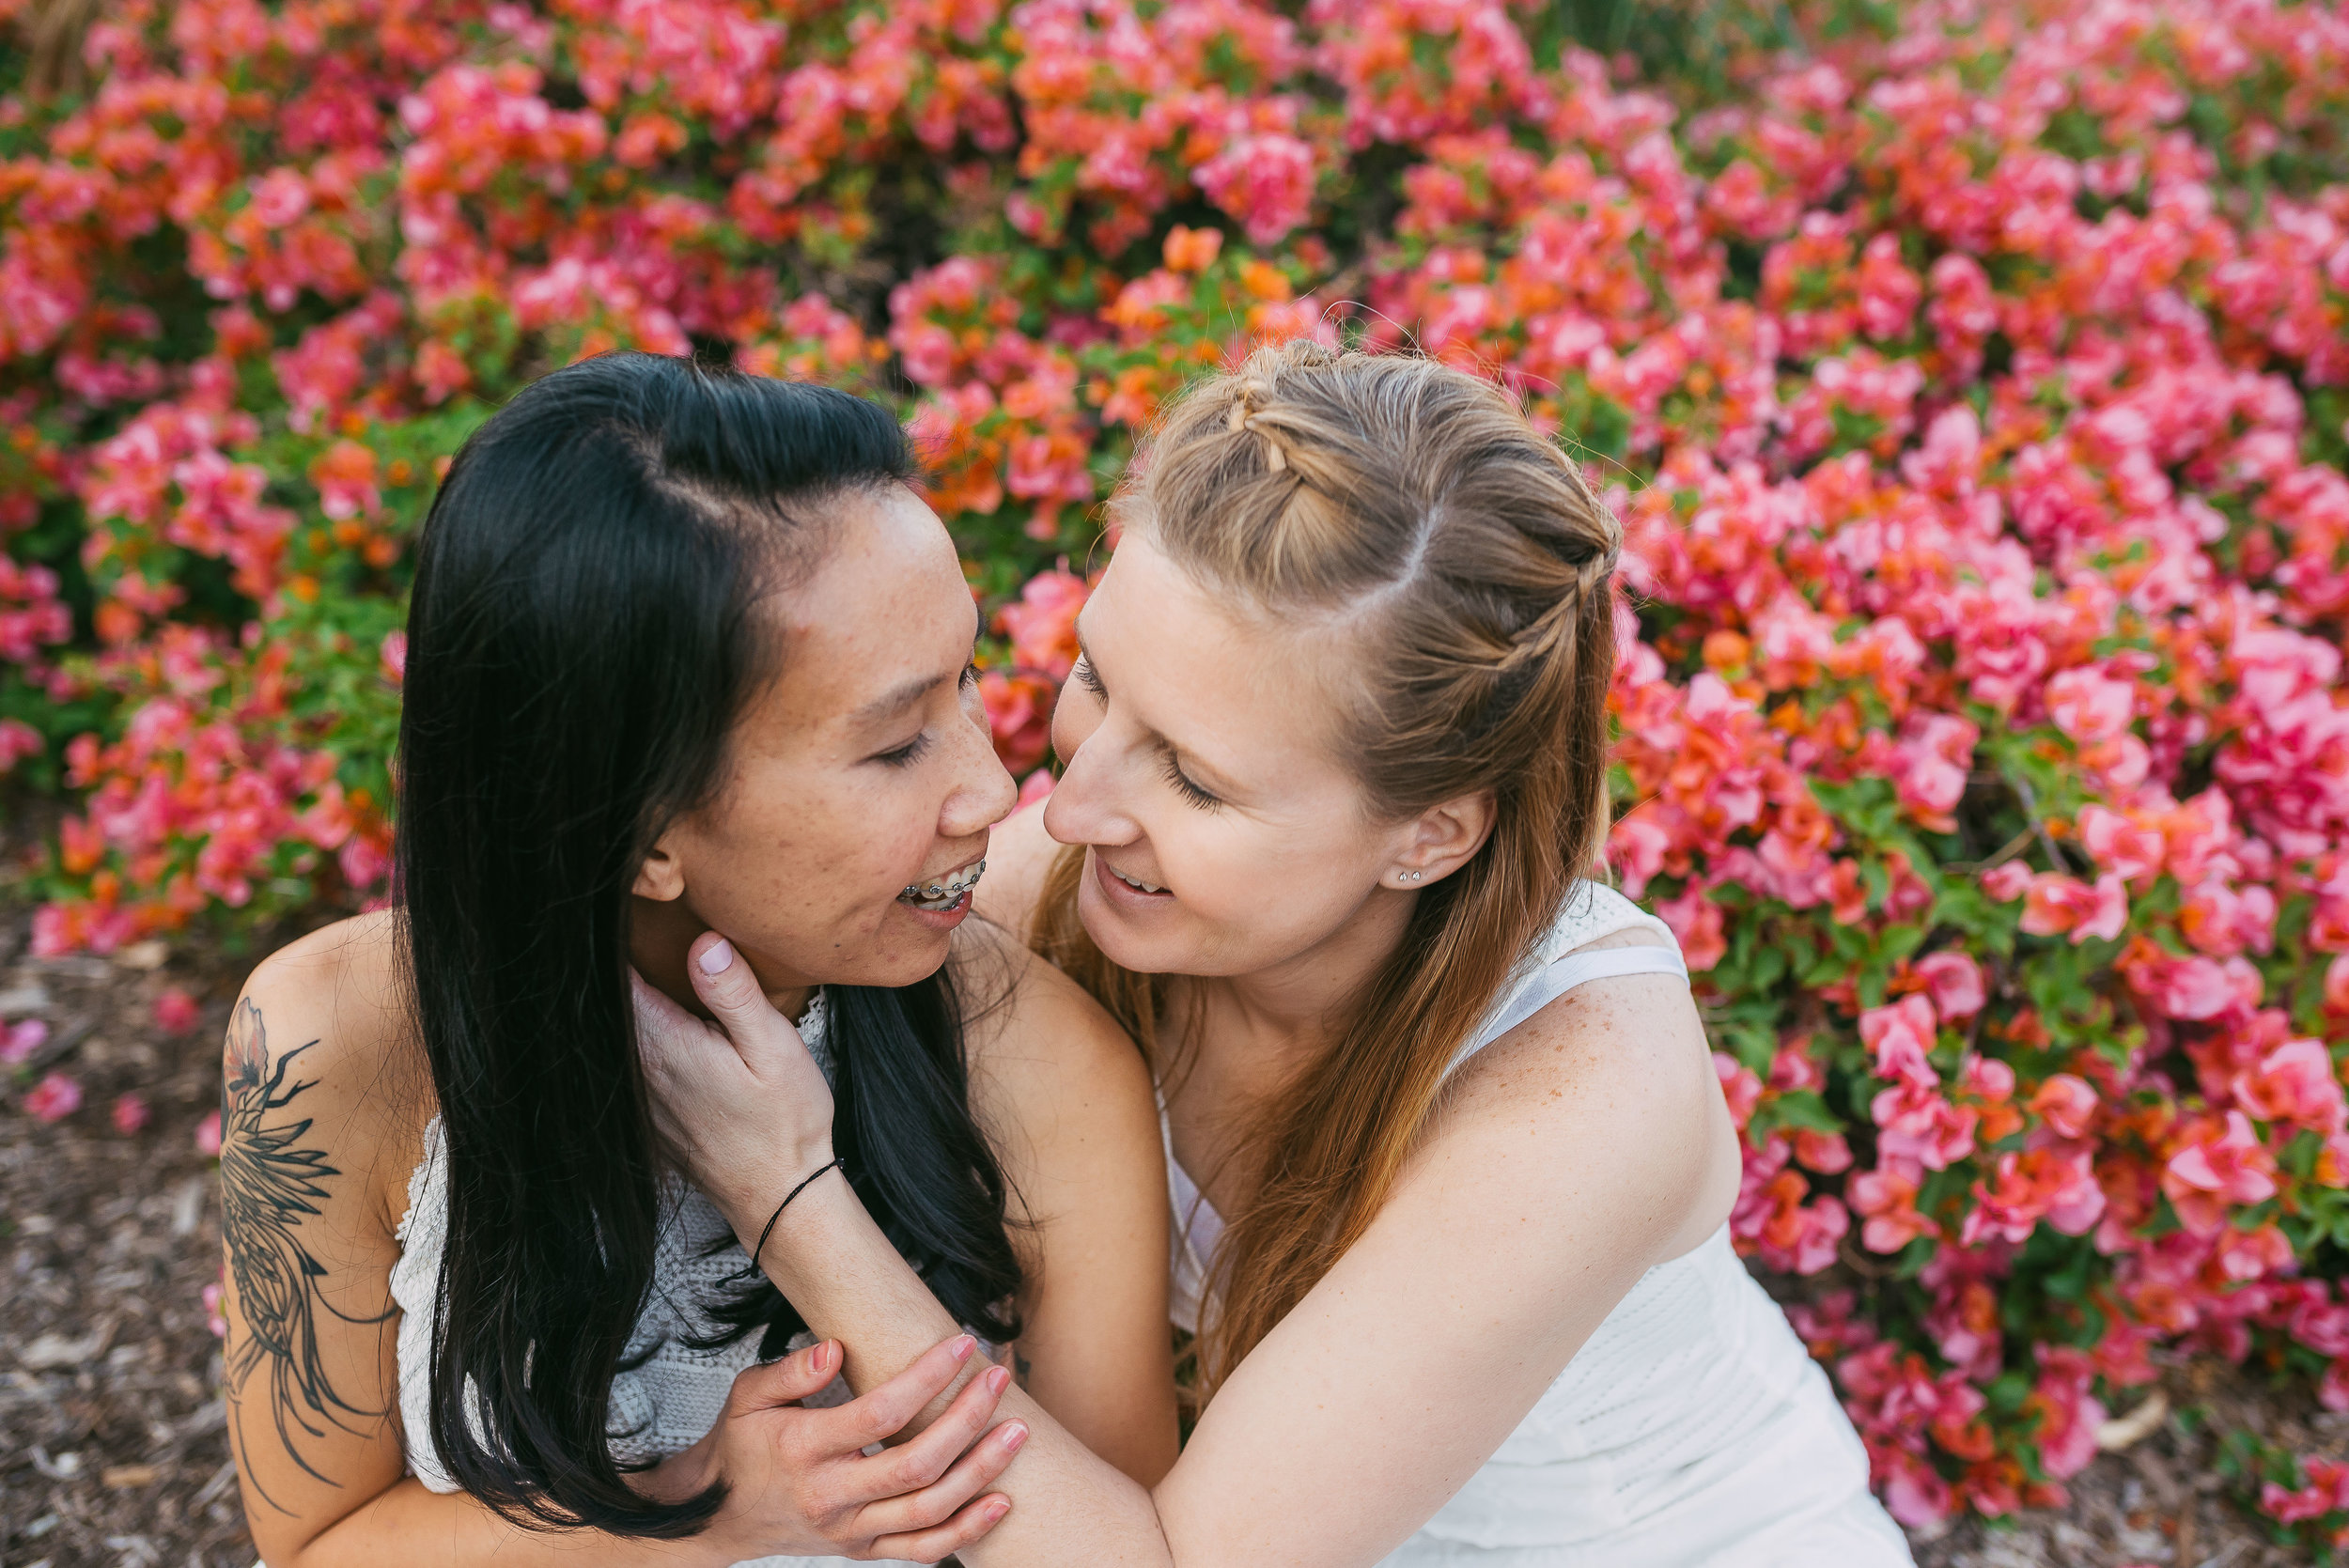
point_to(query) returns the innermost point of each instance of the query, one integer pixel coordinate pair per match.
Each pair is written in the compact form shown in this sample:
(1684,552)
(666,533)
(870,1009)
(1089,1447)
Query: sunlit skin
(864,767)
(1204,758)
(1220,777)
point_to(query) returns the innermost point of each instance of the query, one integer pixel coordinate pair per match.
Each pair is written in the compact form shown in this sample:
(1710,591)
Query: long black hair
(581,639)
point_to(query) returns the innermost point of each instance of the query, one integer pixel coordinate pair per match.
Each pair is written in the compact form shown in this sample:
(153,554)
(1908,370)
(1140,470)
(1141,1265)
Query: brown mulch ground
(112,1449)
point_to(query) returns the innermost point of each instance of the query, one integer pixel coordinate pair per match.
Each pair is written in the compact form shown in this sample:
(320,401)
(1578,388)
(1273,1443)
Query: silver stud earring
(1413,876)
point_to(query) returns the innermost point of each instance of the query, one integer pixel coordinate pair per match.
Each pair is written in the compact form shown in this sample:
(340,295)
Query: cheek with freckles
(810,882)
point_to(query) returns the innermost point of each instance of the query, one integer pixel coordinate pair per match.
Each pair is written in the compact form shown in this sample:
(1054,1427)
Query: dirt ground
(111,1443)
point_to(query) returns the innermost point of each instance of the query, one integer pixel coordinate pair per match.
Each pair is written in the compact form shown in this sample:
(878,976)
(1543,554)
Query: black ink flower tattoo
(267,1186)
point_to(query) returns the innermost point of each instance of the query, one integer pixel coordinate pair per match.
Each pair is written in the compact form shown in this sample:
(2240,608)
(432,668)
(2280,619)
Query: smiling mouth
(1135,883)
(943,894)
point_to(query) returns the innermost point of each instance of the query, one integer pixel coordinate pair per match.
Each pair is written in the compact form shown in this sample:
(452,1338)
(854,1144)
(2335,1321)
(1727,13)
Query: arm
(311,1376)
(1067,1101)
(1564,1163)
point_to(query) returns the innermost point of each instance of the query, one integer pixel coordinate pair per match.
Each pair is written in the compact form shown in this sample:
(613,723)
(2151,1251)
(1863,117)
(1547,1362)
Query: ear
(1440,840)
(660,876)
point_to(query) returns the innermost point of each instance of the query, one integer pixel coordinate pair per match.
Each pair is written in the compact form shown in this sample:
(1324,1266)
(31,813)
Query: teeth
(1131,883)
(945,895)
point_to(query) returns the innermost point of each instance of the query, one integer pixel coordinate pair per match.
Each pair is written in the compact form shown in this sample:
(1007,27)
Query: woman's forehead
(885,611)
(1243,686)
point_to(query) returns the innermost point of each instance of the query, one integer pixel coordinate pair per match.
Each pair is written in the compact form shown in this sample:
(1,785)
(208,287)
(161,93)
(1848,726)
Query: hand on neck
(660,930)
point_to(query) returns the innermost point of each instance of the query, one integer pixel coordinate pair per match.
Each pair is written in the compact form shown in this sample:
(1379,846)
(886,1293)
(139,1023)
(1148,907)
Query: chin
(897,952)
(1121,944)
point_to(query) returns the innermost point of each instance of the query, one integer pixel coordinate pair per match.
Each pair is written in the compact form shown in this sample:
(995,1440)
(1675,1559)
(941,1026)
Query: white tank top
(1691,1428)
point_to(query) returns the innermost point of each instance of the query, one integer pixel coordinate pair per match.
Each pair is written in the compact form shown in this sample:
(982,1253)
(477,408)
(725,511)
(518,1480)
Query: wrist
(782,1193)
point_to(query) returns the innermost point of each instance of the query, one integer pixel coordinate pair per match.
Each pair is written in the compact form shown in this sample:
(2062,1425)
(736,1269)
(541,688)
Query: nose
(984,793)
(1083,807)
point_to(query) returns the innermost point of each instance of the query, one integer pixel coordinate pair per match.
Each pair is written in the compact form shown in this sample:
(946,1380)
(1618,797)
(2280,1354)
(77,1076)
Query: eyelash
(906,755)
(913,751)
(1187,790)
(1086,677)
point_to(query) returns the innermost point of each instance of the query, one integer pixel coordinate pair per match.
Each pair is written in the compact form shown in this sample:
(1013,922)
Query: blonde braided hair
(1472,562)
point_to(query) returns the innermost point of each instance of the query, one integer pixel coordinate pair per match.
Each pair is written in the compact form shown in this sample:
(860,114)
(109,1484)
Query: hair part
(583,635)
(1419,503)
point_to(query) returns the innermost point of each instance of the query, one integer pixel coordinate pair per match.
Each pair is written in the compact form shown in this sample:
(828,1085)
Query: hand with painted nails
(798,1482)
(739,1098)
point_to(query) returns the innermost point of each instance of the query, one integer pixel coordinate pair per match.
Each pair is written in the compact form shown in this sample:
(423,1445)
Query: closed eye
(1186,788)
(906,755)
(1090,678)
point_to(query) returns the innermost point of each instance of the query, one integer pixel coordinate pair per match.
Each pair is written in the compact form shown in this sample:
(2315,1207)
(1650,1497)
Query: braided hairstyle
(1415,502)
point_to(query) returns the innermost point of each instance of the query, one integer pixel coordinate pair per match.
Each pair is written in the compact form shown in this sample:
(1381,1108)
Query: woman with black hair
(685,653)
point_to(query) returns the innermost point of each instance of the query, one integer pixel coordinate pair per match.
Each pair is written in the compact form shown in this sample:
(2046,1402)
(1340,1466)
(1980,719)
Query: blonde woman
(1451,1168)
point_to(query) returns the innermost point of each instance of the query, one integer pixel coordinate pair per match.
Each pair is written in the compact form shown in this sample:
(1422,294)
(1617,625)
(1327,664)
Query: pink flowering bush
(2305,1500)
(1973,394)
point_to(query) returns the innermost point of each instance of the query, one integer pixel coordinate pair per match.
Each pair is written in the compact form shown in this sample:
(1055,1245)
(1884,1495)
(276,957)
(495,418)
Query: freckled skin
(811,839)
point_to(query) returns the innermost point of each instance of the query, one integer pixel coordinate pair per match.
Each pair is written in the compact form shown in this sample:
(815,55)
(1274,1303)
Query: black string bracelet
(835,1161)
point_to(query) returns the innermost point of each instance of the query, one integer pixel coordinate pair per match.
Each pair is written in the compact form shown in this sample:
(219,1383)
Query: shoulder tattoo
(269,1184)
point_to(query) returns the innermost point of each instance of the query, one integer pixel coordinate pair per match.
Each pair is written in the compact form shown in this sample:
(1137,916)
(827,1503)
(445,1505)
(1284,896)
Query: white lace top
(1692,1428)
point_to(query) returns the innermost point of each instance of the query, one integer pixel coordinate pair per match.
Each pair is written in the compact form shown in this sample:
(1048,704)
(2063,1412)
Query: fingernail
(1015,1434)
(996,1379)
(963,1346)
(820,1358)
(998,1509)
(716,956)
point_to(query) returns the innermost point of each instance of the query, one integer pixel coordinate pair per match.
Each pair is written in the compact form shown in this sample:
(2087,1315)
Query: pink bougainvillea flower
(2194,988)
(2296,1082)
(1019,713)
(2007,881)
(208,1135)
(18,740)
(177,1012)
(2066,1103)
(1901,1035)
(1739,1086)
(1887,1203)
(129,1113)
(54,1098)
(2055,904)
(1042,624)
(2223,1168)
(1953,980)
(21,1039)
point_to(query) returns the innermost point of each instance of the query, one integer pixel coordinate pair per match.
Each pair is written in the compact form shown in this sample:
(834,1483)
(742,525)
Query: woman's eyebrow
(909,691)
(900,697)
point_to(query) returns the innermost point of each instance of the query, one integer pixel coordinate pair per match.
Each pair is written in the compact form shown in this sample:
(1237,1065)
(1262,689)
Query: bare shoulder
(322,1035)
(1050,1068)
(1019,855)
(1614,1083)
(1026,1016)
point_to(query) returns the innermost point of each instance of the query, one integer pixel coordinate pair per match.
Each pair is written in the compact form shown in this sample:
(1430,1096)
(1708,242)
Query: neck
(1255,1032)
(659,931)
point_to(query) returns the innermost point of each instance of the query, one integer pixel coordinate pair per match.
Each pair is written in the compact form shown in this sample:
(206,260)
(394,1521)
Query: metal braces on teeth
(945,891)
